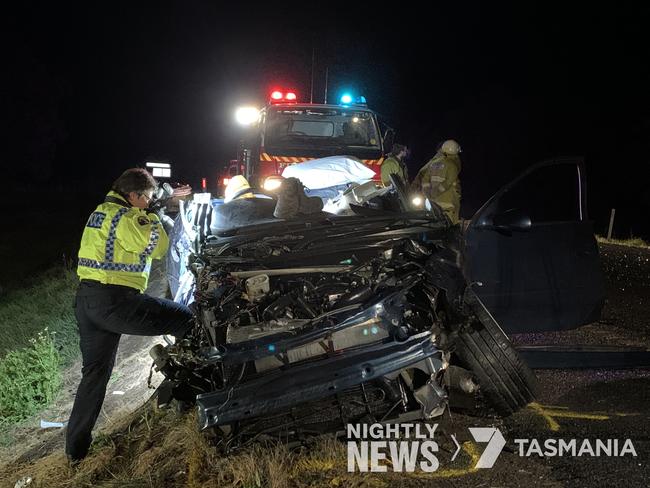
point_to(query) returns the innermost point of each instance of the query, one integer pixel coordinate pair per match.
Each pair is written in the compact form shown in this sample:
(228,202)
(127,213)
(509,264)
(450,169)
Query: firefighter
(438,179)
(238,187)
(119,241)
(394,164)
(240,207)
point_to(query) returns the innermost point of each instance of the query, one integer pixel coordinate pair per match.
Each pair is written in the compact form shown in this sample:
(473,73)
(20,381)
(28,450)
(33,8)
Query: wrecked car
(304,325)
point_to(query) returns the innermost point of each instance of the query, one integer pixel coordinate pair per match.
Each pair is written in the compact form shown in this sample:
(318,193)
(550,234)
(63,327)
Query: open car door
(531,251)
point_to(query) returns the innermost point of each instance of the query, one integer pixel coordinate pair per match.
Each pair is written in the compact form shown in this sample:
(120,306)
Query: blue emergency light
(348,99)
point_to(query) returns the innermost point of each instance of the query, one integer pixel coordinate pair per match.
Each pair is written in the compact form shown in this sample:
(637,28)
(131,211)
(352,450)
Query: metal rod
(611,224)
(326,73)
(290,271)
(311,83)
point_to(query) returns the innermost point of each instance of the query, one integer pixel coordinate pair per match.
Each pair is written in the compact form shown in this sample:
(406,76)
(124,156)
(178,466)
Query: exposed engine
(244,315)
(247,305)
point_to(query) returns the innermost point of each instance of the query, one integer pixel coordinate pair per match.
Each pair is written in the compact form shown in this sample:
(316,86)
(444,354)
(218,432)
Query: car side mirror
(513,220)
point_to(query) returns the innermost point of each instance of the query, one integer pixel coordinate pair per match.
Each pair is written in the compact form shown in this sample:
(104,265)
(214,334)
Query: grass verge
(39,339)
(46,303)
(631,242)
(30,378)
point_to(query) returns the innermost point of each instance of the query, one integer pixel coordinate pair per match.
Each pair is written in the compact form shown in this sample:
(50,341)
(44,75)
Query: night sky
(89,91)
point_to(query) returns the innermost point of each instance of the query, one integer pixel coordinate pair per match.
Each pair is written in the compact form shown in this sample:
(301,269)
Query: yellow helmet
(238,187)
(450,147)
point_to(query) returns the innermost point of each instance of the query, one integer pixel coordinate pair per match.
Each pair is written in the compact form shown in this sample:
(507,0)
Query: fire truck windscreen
(304,127)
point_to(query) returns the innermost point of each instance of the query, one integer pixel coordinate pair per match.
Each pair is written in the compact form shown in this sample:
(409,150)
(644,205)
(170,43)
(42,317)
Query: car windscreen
(308,127)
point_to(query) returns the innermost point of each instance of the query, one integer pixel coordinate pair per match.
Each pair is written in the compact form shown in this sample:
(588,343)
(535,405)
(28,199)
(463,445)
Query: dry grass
(153,448)
(631,242)
(145,449)
(159,449)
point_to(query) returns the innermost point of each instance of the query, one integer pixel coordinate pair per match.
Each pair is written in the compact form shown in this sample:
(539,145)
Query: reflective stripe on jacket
(119,243)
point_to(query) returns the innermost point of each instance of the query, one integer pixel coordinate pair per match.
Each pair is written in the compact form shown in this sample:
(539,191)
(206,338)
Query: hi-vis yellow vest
(119,243)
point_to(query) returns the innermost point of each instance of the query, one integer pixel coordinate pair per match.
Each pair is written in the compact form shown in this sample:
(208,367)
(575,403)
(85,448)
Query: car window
(548,194)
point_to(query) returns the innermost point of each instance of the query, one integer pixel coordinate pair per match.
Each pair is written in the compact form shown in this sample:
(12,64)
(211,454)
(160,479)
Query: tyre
(505,381)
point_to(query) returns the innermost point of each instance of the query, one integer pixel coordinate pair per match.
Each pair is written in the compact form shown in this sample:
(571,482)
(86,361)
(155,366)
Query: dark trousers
(103,313)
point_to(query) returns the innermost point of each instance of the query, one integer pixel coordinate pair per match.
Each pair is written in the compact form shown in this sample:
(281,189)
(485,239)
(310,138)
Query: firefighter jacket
(392,165)
(119,243)
(438,181)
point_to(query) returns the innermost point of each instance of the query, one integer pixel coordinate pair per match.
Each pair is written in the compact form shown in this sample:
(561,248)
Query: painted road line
(551,412)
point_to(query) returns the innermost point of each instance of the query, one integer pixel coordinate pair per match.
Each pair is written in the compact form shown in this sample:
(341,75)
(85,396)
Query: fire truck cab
(288,132)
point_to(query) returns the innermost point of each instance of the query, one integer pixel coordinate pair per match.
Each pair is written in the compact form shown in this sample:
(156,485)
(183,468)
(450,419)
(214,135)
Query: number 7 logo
(495,441)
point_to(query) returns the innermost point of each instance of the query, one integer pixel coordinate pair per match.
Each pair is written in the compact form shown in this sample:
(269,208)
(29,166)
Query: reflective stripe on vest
(110,242)
(132,268)
(108,264)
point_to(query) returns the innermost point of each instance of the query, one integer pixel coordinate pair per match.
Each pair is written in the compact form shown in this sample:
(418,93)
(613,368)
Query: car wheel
(504,379)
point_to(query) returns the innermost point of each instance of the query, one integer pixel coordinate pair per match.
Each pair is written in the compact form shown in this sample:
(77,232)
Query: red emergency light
(204,183)
(278,96)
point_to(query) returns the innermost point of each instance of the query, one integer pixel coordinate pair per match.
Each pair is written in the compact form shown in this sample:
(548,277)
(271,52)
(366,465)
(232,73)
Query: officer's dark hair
(138,180)
(396,149)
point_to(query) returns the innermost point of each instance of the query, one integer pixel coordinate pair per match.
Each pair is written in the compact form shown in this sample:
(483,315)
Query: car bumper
(313,380)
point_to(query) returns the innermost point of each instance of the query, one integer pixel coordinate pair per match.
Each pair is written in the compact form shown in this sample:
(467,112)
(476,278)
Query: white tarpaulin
(330,171)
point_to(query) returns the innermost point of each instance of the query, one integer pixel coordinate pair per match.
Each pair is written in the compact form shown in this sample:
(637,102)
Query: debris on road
(23,482)
(50,425)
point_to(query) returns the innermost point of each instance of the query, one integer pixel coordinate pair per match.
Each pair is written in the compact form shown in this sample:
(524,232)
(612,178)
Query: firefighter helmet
(450,147)
(238,187)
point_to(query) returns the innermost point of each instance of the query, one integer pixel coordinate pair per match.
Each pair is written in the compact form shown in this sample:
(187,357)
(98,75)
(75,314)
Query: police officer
(118,244)
(438,179)
(394,164)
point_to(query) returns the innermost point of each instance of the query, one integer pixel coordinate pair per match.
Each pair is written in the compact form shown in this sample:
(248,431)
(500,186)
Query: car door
(531,254)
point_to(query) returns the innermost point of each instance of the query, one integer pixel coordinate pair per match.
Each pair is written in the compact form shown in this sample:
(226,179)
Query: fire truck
(287,131)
